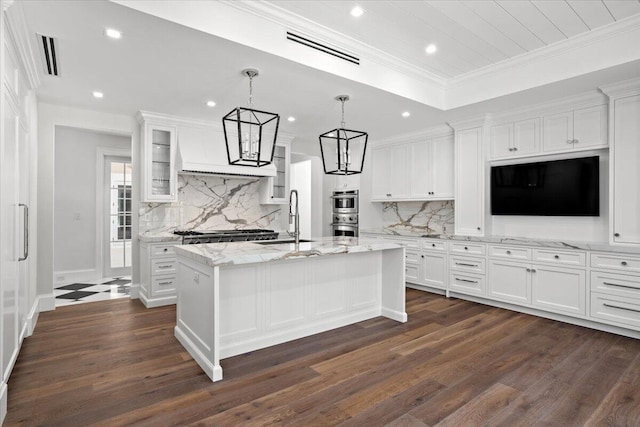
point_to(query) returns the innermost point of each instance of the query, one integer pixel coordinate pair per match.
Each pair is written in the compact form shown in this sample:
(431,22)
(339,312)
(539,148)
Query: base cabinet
(158,274)
(434,270)
(509,281)
(559,289)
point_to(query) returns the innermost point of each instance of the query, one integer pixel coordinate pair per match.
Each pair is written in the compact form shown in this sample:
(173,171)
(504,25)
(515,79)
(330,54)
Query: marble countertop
(158,237)
(234,253)
(508,240)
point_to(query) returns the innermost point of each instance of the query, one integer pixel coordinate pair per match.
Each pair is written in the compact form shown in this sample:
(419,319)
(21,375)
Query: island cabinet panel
(240,314)
(364,282)
(286,285)
(329,295)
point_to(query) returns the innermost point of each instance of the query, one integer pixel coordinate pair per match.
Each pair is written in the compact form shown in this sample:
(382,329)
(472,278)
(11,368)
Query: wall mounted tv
(555,188)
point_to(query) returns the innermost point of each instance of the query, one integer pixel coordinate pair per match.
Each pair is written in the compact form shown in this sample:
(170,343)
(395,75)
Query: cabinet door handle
(478,228)
(569,141)
(624,263)
(508,252)
(421,256)
(165,249)
(466,280)
(556,256)
(533,270)
(164,283)
(25,232)
(466,248)
(575,141)
(165,266)
(616,234)
(528,270)
(466,265)
(619,286)
(620,308)
(433,244)
(515,148)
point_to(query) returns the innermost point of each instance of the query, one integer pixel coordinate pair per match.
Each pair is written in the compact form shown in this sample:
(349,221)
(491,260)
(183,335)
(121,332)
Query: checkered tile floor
(105,289)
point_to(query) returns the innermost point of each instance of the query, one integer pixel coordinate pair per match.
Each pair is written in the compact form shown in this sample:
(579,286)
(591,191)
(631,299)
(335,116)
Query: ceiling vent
(49,52)
(306,41)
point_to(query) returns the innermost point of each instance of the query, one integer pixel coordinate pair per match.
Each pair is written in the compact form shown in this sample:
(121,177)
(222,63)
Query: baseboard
(158,301)
(3,402)
(74,276)
(32,317)
(399,316)
(46,302)
(214,372)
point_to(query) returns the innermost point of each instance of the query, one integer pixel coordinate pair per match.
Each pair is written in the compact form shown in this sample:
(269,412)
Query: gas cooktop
(190,237)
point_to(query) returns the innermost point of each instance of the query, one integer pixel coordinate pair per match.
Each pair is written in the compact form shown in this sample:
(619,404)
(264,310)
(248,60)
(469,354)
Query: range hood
(202,150)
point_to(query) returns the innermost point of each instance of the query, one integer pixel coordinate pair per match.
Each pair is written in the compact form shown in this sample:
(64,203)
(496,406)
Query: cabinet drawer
(408,243)
(471,265)
(617,262)
(411,255)
(469,248)
(434,245)
(412,273)
(509,252)
(615,284)
(467,283)
(163,266)
(163,285)
(559,257)
(163,250)
(616,309)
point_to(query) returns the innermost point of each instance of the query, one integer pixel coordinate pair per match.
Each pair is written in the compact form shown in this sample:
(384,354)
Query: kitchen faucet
(294,217)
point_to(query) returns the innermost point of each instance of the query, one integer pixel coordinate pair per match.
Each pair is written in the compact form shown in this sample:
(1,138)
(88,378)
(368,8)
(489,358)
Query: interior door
(117,217)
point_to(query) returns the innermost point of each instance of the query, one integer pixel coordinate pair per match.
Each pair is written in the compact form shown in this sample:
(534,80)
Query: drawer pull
(620,308)
(466,280)
(620,286)
(421,256)
(528,270)
(466,265)
(508,252)
(556,256)
(165,266)
(165,249)
(624,263)
(433,245)
(164,283)
(616,234)
(466,248)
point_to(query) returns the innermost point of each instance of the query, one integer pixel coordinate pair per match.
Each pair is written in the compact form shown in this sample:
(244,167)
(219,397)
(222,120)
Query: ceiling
(469,34)
(165,67)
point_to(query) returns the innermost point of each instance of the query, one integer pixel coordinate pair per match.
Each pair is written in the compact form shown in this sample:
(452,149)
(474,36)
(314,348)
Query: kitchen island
(238,297)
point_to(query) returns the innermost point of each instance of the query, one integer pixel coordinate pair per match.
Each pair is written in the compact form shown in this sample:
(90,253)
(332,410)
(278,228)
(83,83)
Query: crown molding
(623,88)
(19,33)
(421,135)
(297,23)
(471,122)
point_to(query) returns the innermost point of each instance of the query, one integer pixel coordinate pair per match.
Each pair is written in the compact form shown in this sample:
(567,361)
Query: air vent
(48,49)
(306,41)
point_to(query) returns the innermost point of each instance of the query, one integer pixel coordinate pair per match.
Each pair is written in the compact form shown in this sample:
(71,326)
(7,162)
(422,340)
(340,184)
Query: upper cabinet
(417,170)
(584,128)
(159,172)
(275,190)
(521,138)
(534,132)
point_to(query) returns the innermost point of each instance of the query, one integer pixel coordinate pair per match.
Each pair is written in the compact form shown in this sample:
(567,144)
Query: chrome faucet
(294,217)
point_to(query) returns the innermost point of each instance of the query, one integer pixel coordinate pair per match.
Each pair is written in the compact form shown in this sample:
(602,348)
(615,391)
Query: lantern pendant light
(343,149)
(250,134)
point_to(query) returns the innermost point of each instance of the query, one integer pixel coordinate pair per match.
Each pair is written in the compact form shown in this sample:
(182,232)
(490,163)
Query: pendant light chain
(250,90)
(342,123)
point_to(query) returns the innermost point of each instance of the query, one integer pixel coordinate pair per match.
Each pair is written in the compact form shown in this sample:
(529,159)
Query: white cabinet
(519,138)
(275,190)
(469,182)
(625,170)
(584,128)
(418,170)
(158,273)
(434,269)
(557,289)
(509,281)
(159,154)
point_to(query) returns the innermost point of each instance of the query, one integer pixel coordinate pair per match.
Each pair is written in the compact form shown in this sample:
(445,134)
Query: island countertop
(235,253)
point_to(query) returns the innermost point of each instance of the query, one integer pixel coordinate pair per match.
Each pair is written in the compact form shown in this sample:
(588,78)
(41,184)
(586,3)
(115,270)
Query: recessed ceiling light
(291,119)
(97,94)
(114,34)
(357,11)
(431,49)
(211,104)
(406,114)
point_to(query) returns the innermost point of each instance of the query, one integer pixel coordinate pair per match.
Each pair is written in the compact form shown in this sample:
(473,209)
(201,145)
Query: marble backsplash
(434,217)
(210,202)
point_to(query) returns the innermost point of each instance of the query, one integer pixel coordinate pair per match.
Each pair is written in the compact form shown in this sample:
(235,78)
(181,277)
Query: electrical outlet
(76,215)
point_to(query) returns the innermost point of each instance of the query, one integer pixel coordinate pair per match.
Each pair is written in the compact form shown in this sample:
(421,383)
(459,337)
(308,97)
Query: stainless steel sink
(277,242)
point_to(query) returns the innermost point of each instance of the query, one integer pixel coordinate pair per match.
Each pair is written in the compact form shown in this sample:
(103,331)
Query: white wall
(49,118)
(307,177)
(75,181)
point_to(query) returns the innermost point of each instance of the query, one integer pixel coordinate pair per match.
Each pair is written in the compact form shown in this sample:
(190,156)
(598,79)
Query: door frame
(101,154)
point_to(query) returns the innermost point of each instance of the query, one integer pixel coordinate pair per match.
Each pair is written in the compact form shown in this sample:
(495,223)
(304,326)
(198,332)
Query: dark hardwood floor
(455,363)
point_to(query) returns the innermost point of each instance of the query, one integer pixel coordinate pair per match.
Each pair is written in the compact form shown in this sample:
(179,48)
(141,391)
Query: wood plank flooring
(455,363)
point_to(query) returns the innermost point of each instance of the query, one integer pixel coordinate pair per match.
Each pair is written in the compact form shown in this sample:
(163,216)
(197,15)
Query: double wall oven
(344,215)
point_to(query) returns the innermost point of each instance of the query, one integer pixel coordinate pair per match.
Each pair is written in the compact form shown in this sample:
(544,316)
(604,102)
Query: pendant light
(343,149)
(250,134)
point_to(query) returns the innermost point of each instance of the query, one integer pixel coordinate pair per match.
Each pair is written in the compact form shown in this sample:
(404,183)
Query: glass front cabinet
(159,162)
(275,190)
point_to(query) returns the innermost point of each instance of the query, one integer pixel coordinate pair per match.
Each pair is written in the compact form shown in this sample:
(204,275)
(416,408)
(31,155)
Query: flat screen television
(555,188)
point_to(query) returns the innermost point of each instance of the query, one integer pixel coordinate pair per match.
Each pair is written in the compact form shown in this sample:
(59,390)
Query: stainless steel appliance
(344,216)
(190,237)
(345,202)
